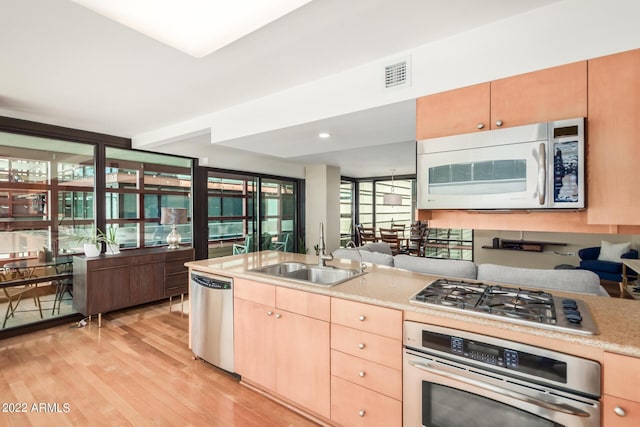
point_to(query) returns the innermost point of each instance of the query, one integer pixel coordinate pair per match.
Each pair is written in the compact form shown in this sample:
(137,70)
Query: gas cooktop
(510,304)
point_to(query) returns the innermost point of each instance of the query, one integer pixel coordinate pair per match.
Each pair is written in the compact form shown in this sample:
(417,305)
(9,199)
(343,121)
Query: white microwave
(539,166)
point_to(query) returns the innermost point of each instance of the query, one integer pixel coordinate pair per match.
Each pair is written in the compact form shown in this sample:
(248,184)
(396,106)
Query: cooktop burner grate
(531,307)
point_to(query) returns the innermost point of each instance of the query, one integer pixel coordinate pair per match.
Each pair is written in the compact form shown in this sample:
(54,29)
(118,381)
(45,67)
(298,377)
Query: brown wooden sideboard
(132,277)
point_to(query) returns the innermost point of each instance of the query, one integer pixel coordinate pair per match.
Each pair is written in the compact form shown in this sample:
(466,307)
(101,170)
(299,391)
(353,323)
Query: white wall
(560,33)
(322,206)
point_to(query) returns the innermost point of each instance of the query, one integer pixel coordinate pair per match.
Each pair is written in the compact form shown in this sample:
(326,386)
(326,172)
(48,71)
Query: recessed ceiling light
(324,135)
(196,27)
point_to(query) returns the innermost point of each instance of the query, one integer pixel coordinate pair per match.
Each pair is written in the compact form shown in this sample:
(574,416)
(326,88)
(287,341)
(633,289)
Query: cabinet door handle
(362,374)
(361,346)
(278,316)
(362,413)
(480,126)
(619,411)
(269,313)
(362,317)
(499,123)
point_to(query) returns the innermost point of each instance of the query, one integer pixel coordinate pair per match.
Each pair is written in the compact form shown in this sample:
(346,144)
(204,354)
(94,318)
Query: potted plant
(110,240)
(91,243)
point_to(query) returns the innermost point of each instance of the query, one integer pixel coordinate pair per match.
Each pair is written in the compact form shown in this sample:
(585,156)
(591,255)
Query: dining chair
(366,234)
(244,248)
(64,285)
(14,295)
(284,242)
(415,243)
(400,228)
(390,236)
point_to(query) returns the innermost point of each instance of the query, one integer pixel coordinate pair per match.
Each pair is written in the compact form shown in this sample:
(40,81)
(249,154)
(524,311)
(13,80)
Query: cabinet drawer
(304,303)
(368,374)
(257,292)
(352,406)
(147,259)
(175,267)
(177,283)
(366,317)
(611,419)
(621,376)
(375,348)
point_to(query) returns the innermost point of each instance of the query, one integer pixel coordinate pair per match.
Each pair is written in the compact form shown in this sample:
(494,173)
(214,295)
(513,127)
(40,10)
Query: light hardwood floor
(136,370)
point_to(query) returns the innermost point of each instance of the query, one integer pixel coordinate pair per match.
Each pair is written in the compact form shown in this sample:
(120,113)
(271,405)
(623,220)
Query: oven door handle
(567,409)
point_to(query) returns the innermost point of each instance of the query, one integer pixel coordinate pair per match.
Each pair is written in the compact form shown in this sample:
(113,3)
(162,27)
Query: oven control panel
(495,355)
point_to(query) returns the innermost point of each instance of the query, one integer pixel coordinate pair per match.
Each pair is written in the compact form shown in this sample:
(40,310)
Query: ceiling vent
(397,74)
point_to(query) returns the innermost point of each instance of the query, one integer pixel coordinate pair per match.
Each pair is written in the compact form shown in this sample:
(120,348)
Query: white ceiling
(65,65)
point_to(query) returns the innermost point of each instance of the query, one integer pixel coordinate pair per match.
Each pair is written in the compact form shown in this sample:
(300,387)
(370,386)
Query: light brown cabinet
(281,343)
(550,94)
(132,277)
(540,96)
(621,401)
(453,112)
(613,147)
(366,368)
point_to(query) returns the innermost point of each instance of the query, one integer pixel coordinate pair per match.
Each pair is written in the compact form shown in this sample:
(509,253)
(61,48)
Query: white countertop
(618,320)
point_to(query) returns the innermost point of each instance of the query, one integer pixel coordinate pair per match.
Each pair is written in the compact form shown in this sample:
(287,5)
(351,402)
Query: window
(46,194)
(238,213)
(138,185)
(441,242)
(230,206)
(387,215)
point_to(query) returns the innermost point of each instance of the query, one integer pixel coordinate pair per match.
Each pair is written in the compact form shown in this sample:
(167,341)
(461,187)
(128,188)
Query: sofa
(575,280)
(605,267)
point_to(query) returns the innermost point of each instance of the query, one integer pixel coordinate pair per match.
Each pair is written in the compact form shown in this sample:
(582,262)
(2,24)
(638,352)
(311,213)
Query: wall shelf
(523,245)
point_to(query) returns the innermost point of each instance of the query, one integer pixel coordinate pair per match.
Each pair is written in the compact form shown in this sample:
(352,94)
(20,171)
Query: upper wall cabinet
(613,149)
(551,94)
(453,112)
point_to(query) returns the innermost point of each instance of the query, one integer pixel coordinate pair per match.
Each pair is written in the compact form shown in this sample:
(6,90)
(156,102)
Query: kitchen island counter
(392,287)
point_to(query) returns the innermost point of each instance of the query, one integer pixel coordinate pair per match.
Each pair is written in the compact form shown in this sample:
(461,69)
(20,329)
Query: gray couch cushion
(367,256)
(381,247)
(438,267)
(581,281)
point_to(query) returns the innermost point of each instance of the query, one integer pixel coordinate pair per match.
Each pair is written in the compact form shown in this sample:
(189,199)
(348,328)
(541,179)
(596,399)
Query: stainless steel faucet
(322,248)
(363,266)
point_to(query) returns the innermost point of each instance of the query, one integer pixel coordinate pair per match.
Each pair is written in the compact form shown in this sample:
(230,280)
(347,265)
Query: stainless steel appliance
(509,304)
(539,166)
(453,378)
(211,298)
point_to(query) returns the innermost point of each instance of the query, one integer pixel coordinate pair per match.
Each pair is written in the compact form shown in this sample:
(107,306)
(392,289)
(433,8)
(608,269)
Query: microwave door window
(479,178)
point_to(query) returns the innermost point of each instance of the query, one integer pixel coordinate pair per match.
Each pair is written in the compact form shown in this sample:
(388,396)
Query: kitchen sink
(280,269)
(308,273)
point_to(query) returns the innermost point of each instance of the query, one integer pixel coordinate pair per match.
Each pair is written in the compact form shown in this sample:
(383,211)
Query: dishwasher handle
(210,282)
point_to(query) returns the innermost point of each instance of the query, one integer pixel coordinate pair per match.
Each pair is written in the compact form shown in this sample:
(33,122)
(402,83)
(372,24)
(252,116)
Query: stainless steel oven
(454,378)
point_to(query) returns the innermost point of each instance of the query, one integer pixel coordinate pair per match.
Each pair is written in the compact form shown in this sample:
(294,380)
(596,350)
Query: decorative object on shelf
(392,198)
(173,216)
(45,254)
(521,245)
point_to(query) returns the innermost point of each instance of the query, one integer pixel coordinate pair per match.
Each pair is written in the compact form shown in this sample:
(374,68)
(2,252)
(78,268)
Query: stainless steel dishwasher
(211,299)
